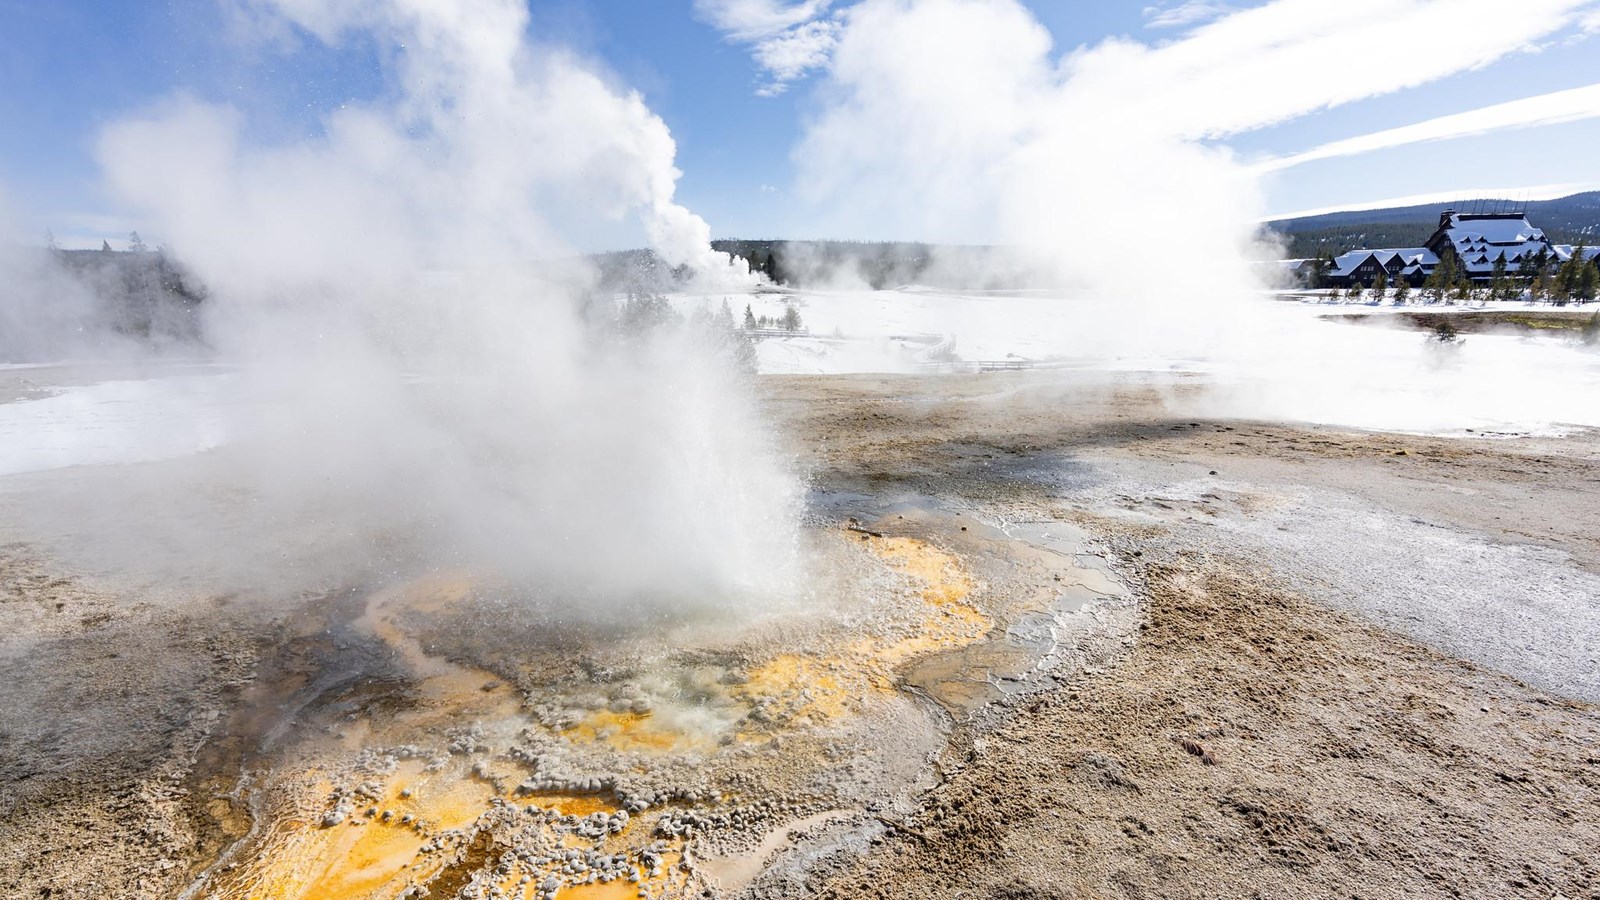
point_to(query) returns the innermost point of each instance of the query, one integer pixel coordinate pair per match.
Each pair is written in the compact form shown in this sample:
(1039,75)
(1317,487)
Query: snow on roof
(1483,263)
(1465,228)
(1563,252)
(1408,257)
(1345,263)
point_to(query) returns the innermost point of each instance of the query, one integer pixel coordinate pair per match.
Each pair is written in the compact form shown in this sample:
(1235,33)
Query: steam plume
(421,384)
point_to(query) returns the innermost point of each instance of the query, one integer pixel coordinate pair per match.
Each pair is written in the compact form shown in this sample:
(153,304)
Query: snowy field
(52,417)
(1268,359)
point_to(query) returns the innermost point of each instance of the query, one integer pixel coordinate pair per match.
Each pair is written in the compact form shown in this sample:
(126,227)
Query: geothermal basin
(1059,633)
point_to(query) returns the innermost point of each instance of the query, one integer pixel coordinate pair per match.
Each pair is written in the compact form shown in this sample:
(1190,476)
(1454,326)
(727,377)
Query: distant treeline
(637,272)
(881,264)
(142,293)
(61,304)
(1337,239)
(874,264)
(805,263)
(1574,219)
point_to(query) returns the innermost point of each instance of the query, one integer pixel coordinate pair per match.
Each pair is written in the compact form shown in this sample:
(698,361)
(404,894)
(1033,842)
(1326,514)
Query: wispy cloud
(1546,109)
(956,120)
(787,39)
(753,20)
(1189,12)
(790,55)
(1267,64)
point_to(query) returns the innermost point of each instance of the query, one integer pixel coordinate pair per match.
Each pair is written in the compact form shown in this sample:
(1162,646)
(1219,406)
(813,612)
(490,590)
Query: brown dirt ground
(1253,742)
(1253,745)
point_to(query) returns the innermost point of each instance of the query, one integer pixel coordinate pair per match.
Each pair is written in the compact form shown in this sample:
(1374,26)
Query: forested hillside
(1574,219)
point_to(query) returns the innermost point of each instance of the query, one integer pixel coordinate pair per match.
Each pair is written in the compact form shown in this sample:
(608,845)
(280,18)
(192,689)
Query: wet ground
(1064,640)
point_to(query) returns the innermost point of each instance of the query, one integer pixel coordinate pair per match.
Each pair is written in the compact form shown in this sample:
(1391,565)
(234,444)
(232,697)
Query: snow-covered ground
(1268,357)
(119,420)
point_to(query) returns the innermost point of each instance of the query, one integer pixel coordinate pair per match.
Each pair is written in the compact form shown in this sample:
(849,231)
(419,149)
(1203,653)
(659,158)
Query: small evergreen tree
(1320,267)
(1588,281)
(1566,281)
(791,319)
(643,313)
(1499,282)
(1540,289)
(105,246)
(749,319)
(136,243)
(1542,286)
(1402,291)
(1380,284)
(1438,281)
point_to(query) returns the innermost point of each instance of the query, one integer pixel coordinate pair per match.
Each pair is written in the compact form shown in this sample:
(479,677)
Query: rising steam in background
(957,121)
(1105,171)
(419,383)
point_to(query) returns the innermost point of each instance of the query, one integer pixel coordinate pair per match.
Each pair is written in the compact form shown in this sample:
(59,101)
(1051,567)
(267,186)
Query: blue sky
(68,67)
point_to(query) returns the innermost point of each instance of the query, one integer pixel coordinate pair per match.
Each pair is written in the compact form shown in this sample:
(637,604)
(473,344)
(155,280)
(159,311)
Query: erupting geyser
(416,335)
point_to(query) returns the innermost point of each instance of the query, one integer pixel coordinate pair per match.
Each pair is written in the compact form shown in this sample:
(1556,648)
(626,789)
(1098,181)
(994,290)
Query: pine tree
(1588,282)
(1525,273)
(1499,284)
(749,319)
(791,319)
(1320,267)
(136,243)
(1441,278)
(105,246)
(1402,291)
(1565,285)
(1380,284)
(1542,286)
(775,270)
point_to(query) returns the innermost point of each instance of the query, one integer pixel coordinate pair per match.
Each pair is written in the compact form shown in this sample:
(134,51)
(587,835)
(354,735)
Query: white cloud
(1190,12)
(1546,109)
(791,54)
(753,20)
(787,40)
(1261,66)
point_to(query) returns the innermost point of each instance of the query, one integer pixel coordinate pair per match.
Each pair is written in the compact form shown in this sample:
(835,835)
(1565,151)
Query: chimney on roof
(1444,217)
